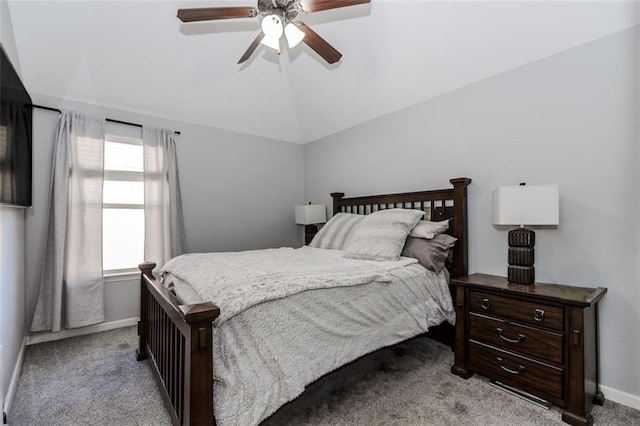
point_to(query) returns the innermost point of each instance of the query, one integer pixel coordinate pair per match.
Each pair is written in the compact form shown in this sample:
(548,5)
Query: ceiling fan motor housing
(287,9)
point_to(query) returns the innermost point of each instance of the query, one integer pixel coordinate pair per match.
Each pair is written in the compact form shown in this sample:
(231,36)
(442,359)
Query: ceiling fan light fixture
(272,26)
(294,35)
(272,42)
(272,29)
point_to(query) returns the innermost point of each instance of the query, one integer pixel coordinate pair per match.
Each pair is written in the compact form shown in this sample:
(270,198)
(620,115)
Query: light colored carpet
(95,380)
(87,380)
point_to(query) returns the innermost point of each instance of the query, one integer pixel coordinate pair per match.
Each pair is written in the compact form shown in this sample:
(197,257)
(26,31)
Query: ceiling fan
(278,19)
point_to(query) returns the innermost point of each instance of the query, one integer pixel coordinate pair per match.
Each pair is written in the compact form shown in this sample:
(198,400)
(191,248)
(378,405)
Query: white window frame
(118,175)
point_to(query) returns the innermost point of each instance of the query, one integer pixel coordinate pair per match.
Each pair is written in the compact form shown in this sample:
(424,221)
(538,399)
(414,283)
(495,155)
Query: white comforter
(323,312)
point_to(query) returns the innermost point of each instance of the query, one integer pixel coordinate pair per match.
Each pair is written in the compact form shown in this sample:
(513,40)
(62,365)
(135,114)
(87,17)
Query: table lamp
(310,215)
(524,205)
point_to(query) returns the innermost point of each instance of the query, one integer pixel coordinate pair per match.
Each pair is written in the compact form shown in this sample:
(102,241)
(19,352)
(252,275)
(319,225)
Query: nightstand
(539,338)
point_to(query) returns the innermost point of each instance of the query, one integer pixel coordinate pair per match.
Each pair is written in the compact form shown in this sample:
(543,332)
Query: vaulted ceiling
(137,56)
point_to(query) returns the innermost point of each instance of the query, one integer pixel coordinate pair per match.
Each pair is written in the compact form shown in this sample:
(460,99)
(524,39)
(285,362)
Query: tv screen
(15,137)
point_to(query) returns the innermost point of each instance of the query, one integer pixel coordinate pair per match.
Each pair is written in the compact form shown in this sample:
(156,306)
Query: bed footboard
(178,341)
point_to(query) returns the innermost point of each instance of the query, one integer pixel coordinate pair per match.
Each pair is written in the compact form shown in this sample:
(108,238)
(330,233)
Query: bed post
(459,227)
(141,353)
(198,385)
(337,196)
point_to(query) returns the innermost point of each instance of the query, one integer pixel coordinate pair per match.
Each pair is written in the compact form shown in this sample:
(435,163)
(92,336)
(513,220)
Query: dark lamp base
(521,274)
(521,256)
(310,231)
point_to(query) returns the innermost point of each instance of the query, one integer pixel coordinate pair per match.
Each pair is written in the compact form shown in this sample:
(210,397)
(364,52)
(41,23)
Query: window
(122,205)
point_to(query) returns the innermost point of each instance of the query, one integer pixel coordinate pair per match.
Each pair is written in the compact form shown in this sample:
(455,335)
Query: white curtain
(163,222)
(71,287)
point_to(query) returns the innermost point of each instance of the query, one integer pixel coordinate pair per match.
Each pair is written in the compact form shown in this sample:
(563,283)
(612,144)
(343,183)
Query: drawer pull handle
(485,304)
(508,370)
(538,315)
(520,338)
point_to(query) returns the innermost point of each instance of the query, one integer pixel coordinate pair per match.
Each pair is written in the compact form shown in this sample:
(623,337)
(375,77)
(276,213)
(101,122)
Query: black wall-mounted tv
(16,118)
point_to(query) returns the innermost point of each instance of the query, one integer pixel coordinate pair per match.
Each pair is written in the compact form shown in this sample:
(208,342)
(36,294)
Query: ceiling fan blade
(252,48)
(320,45)
(210,13)
(320,5)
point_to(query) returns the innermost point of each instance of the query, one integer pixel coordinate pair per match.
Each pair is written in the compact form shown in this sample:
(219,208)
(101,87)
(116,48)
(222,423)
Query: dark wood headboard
(450,203)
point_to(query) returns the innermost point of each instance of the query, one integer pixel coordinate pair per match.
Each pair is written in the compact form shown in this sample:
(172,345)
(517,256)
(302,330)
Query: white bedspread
(236,281)
(266,354)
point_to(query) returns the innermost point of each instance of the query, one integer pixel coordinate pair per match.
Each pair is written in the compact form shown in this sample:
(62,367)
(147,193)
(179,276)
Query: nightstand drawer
(514,337)
(537,314)
(531,375)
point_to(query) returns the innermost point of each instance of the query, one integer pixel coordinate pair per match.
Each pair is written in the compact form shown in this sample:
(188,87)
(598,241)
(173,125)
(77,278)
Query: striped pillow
(335,234)
(381,235)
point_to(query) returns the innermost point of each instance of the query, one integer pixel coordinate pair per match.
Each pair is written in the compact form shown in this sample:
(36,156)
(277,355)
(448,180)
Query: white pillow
(335,234)
(428,230)
(381,235)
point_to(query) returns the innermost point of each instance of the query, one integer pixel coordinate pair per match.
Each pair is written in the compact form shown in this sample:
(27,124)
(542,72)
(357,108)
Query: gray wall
(569,119)
(12,263)
(238,192)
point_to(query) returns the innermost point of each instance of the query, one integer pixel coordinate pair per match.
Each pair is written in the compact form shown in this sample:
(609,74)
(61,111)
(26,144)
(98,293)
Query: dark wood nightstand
(540,338)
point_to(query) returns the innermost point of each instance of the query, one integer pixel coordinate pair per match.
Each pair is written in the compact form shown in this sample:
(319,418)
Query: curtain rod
(111,120)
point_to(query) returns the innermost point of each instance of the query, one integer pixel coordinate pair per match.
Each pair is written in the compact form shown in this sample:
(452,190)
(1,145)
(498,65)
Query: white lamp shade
(272,26)
(310,214)
(272,29)
(526,205)
(272,42)
(294,35)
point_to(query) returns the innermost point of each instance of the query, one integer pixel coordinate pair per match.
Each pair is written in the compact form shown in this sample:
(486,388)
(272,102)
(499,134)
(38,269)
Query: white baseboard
(13,384)
(64,334)
(620,397)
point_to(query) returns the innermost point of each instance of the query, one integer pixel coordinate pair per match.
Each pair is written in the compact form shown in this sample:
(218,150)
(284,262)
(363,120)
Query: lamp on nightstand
(524,205)
(310,215)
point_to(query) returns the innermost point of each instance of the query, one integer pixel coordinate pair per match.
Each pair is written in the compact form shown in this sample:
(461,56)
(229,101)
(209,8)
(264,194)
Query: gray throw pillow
(433,253)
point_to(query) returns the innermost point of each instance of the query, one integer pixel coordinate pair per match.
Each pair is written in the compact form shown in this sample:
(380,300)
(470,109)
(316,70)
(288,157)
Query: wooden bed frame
(178,338)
